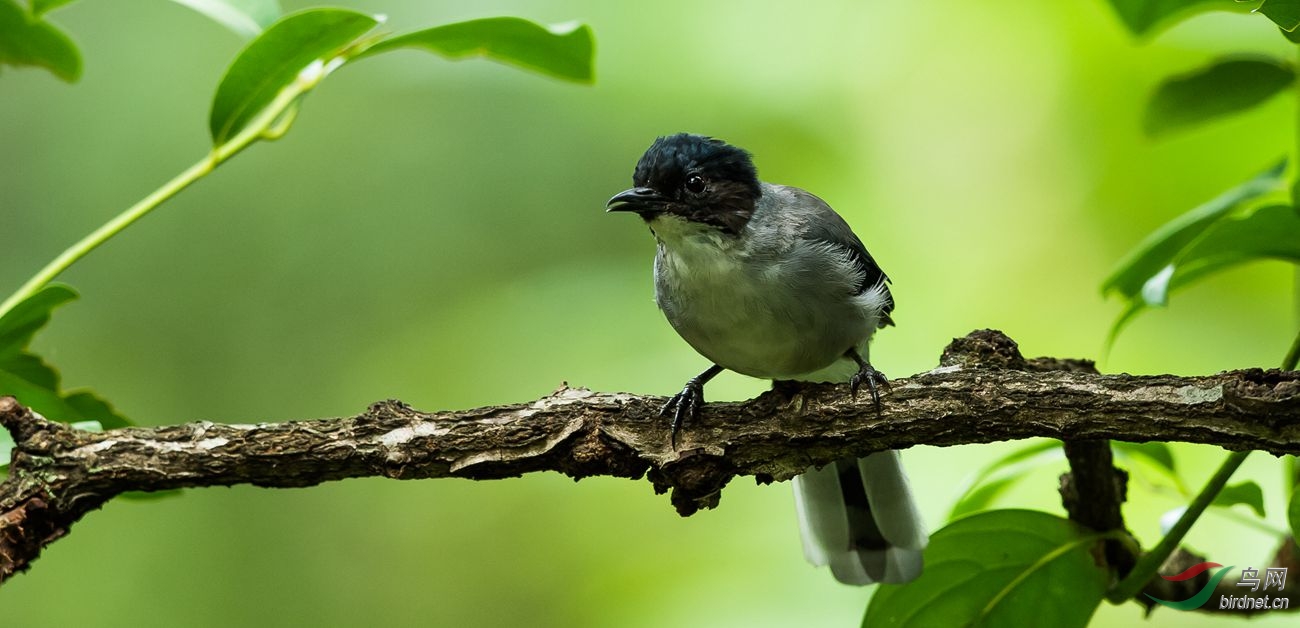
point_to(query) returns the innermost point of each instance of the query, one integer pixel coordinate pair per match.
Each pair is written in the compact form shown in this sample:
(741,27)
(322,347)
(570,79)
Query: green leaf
(1247,493)
(563,51)
(33,382)
(1226,86)
(36,385)
(40,7)
(999,568)
(86,404)
(1134,308)
(1143,16)
(23,321)
(1155,452)
(247,18)
(1160,248)
(27,40)
(999,476)
(1284,13)
(1291,36)
(1155,455)
(274,60)
(980,496)
(1271,232)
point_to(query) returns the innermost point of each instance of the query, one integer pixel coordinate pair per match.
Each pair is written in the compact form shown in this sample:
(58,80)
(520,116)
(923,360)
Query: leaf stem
(97,237)
(1150,562)
(261,127)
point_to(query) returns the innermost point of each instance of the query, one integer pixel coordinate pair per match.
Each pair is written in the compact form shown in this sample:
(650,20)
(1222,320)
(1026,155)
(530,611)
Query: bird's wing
(828,226)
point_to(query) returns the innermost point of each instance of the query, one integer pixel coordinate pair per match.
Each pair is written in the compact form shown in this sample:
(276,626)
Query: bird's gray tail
(859,517)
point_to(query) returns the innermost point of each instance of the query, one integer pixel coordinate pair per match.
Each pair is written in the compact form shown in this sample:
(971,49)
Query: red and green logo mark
(1202,596)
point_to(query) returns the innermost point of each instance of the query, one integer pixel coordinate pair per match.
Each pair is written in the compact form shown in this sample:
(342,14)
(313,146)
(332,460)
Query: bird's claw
(875,380)
(684,405)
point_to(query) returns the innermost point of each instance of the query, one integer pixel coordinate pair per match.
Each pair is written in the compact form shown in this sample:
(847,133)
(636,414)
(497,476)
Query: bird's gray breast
(765,303)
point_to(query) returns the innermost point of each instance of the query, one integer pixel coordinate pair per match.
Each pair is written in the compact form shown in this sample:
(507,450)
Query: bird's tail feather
(859,517)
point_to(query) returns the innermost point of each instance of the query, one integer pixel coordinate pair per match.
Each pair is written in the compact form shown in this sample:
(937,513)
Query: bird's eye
(695,184)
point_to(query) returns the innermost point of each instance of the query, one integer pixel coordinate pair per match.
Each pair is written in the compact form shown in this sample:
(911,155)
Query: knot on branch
(992,349)
(696,480)
(986,348)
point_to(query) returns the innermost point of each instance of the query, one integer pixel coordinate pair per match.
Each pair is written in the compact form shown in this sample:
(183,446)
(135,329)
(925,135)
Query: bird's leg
(687,403)
(866,374)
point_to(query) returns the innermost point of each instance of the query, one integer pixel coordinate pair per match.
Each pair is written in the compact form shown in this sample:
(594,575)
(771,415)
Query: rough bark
(983,391)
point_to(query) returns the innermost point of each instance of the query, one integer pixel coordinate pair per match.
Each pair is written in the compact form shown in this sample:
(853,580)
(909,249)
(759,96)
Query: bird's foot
(684,405)
(875,380)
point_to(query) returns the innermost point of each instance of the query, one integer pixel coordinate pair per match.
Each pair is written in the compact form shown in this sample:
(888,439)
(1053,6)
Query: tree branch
(983,392)
(1092,493)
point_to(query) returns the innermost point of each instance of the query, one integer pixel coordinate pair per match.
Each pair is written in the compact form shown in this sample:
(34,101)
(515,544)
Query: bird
(768,281)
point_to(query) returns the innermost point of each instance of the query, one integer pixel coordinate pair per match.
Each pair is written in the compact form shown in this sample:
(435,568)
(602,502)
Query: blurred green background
(434,232)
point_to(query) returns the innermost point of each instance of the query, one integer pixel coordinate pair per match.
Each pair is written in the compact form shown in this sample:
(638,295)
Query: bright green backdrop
(434,232)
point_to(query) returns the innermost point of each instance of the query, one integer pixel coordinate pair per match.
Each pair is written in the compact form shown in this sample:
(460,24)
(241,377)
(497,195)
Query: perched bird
(768,281)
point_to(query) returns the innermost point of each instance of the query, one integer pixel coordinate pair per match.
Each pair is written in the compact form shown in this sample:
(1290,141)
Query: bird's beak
(636,200)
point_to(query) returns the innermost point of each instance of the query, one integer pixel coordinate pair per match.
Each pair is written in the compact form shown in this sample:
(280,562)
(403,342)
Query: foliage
(246,18)
(26,376)
(1154,460)
(257,99)
(1247,493)
(27,39)
(1225,86)
(1253,221)
(1257,220)
(1000,568)
(1144,16)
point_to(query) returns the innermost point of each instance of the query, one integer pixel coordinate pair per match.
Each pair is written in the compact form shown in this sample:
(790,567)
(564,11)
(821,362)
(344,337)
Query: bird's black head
(698,178)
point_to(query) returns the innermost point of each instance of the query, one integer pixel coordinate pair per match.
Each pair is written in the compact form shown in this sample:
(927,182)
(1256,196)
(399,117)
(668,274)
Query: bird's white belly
(753,318)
